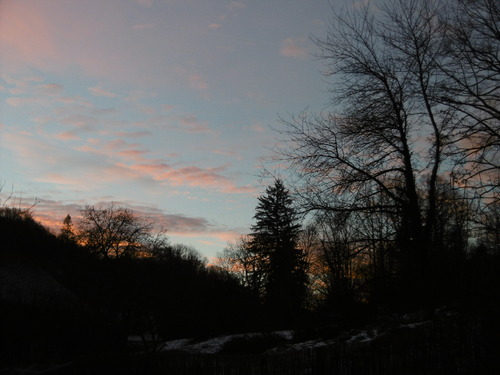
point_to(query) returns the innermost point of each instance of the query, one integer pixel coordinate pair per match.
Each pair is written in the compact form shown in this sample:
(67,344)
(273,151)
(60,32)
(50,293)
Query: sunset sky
(162,106)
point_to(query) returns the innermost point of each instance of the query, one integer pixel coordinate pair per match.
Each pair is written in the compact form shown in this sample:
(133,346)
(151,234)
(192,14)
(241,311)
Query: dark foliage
(60,302)
(274,240)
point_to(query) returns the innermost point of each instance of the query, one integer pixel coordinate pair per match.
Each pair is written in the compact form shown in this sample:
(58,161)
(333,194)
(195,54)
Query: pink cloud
(51,213)
(49,89)
(258,128)
(152,169)
(67,136)
(115,152)
(194,176)
(236,5)
(75,100)
(117,144)
(99,91)
(197,82)
(53,37)
(214,26)
(193,125)
(22,101)
(34,95)
(180,228)
(132,154)
(55,178)
(25,34)
(293,48)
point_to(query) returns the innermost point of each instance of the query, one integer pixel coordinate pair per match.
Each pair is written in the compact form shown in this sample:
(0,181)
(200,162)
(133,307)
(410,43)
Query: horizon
(164,107)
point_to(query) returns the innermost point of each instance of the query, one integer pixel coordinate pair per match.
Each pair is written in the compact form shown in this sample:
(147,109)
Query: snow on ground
(214,345)
(364,336)
(176,344)
(310,344)
(210,346)
(414,325)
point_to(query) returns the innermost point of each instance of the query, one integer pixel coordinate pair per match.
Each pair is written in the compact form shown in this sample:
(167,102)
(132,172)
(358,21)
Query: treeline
(397,181)
(63,296)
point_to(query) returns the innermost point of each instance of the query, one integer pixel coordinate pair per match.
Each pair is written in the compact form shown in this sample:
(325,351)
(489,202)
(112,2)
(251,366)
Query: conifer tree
(67,230)
(274,239)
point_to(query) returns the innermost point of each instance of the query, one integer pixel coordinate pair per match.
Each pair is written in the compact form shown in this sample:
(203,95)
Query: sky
(166,107)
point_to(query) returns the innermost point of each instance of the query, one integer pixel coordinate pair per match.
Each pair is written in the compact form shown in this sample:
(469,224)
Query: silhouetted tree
(67,230)
(386,134)
(472,88)
(239,260)
(274,240)
(113,231)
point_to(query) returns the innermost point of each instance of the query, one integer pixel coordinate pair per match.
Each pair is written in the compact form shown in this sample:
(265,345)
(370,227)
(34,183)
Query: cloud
(187,175)
(132,154)
(233,5)
(68,136)
(51,213)
(56,178)
(178,223)
(293,48)
(49,89)
(214,26)
(25,34)
(143,26)
(40,95)
(75,100)
(24,101)
(137,134)
(196,81)
(115,152)
(191,175)
(99,91)
(191,124)
(258,128)
(88,167)
(195,176)
(180,227)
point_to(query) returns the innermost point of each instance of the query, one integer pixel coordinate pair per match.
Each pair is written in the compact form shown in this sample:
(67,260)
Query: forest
(386,214)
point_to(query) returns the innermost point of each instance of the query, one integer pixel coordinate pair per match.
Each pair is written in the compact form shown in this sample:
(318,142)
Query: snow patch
(216,344)
(414,325)
(364,336)
(176,344)
(310,344)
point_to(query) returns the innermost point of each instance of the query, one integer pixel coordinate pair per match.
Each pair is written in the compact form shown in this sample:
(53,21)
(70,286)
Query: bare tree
(472,89)
(238,259)
(386,134)
(113,231)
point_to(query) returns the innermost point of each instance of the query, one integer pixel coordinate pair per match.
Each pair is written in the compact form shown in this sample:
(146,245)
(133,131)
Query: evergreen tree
(67,230)
(274,241)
